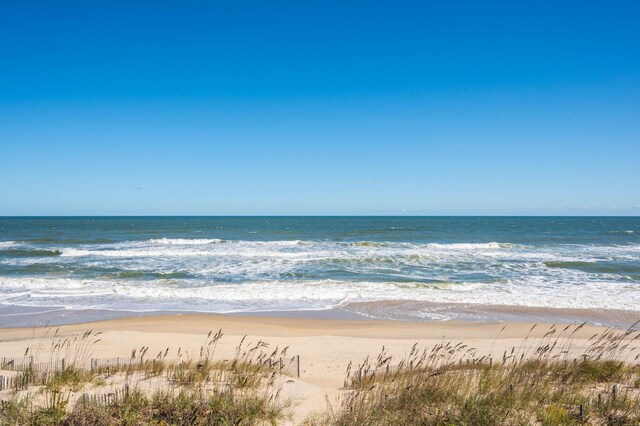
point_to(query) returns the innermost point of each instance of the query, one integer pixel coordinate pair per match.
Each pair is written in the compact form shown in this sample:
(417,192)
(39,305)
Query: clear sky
(327,107)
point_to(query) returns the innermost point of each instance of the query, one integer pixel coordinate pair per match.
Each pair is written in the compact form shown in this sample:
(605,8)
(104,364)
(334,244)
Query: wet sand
(400,310)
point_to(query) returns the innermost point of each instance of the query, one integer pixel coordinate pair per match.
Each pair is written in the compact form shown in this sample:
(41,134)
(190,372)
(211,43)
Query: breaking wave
(225,275)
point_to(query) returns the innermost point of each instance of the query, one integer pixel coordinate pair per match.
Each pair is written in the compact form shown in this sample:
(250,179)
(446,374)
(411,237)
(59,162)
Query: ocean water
(245,264)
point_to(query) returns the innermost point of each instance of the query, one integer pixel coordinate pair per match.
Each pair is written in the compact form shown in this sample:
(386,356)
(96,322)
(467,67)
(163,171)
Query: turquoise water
(244,264)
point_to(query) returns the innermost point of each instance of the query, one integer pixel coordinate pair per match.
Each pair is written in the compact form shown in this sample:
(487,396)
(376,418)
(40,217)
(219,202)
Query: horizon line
(312,215)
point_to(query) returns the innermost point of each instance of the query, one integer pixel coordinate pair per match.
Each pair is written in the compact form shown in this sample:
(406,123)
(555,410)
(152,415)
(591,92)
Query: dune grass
(184,407)
(191,390)
(544,381)
(547,384)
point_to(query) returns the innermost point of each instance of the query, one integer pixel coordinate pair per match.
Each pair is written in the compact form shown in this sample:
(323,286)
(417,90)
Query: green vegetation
(482,394)
(72,378)
(197,391)
(186,407)
(548,384)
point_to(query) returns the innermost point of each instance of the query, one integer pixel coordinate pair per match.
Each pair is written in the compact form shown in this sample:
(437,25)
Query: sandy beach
(325,346)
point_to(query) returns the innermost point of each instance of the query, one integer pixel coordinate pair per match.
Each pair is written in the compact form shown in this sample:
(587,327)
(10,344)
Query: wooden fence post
(581,411)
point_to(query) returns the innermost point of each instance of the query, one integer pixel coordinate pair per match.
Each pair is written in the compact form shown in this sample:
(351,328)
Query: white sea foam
(470,246)
(306,294)
(231,275)
(251,259)
(284,249)
(7,244)
(184,241)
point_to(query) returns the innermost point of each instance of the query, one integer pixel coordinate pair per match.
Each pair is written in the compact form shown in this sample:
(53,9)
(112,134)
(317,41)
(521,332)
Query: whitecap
(8,244)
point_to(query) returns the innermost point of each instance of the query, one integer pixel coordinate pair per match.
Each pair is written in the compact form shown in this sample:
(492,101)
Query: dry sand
(325,347)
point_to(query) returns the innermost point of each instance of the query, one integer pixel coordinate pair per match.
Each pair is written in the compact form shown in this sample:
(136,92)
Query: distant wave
(203,247)
(73,252)
(370,244)
(598,267)
(454,246)
(58,241)
(29,253)
(146,275)
(185,241)
(472,246)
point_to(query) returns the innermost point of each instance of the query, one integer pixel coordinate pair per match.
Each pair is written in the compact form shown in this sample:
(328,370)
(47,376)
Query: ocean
(286,264)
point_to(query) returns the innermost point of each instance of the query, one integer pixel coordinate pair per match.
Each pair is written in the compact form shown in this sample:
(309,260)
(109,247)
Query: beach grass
(547,383)
(162,407)
(548,380)
(188,390)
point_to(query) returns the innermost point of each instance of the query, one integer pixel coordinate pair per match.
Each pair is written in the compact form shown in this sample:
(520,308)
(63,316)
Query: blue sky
(329,107)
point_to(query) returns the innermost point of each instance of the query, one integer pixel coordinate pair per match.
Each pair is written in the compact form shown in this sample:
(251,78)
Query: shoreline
(405,311)
(278,328)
